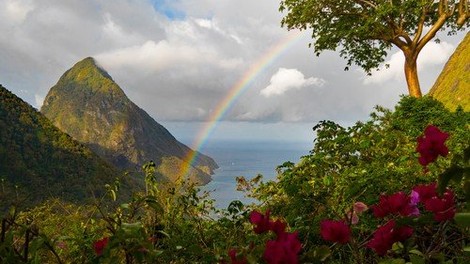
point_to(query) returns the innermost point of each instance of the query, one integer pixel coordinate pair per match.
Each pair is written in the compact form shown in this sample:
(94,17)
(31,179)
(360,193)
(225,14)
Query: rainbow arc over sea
(224,106)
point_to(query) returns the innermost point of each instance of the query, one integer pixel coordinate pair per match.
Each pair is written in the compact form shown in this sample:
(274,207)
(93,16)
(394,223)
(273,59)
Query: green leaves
(463,219)
(359,163)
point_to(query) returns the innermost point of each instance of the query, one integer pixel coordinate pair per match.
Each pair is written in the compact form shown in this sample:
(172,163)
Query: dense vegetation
(87,104)
(452,87)
(347,171)
(38,161)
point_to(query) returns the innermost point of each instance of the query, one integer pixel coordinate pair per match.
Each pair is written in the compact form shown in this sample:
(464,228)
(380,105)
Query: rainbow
(234,93)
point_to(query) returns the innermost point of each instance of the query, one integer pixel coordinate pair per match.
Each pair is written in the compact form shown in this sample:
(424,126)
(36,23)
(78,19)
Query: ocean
(248,159)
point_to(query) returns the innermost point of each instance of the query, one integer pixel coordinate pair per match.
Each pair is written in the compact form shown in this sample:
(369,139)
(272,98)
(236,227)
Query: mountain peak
(88,105)
(87,74)
(81,87)
(88,68)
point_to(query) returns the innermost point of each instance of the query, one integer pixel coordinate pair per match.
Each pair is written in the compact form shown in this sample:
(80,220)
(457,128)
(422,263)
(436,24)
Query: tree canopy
(364,30)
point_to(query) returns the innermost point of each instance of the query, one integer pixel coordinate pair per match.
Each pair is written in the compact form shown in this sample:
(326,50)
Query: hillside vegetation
(38,161)
(452,87)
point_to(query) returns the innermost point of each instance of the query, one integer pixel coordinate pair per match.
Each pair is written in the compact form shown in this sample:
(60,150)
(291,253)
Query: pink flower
(261,221)
(283,250)
(61,245)
(233,257)
(385,236)
(442,207)
(100,245)
(360,207)
(335,231)
(414,200)
(398,203)
(431,145)
(352,217)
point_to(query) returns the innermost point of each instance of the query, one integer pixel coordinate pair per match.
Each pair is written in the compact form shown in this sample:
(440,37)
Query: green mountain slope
(88,105)
(44,162)
(452,87)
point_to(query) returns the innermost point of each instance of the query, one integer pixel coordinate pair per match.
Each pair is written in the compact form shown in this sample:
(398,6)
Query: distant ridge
(87,104)
(43,162)
(452,87)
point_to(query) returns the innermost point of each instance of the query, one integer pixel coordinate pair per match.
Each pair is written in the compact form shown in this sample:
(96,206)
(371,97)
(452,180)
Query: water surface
(248,159)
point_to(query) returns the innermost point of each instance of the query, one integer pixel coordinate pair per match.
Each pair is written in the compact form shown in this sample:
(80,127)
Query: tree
(365,30)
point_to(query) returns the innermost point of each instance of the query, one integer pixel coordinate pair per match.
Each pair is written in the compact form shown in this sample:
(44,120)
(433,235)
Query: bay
(248,159)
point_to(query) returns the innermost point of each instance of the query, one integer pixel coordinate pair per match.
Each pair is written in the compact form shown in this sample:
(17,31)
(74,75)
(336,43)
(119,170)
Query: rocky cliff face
(87,104)
(452,87)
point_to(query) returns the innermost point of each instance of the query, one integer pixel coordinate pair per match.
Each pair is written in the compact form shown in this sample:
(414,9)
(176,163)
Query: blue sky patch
(165,7)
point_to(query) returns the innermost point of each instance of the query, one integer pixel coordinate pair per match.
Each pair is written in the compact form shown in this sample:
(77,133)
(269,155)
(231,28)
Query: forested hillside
(38,161)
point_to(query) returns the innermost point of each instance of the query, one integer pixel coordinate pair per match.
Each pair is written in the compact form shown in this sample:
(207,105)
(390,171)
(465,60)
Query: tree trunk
(411,73)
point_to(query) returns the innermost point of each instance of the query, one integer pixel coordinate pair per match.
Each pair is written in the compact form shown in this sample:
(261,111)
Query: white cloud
(179,69)
(432,54)
(154,56)
(39,99)
(287,79)
(212,25)
(17,10)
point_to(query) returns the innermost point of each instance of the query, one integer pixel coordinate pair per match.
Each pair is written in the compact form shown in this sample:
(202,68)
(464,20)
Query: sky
(180,59)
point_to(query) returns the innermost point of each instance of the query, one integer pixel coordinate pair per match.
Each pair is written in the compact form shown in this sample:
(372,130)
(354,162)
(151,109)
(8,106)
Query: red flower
(382,239)
(283,250)
(261,221)
(335,231)
(442,207)
(233,257)
(100,245)
(426,192)
(286,246)
(278,227)
(385,236)
(402,233)
(431,145)
(398,203)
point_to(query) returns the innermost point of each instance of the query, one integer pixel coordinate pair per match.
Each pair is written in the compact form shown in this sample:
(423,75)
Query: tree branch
(419,30)
(365,2)
(398,31)
(401,21)
(463,11)
(442,7)
(432,32)
(400,44)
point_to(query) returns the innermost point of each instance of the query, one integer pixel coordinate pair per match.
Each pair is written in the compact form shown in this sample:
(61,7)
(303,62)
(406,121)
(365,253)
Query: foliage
(365,30)
(359,163)
(316,211)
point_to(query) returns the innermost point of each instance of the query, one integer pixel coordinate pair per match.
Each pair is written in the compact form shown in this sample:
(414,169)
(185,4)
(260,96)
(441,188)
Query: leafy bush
(359,163)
